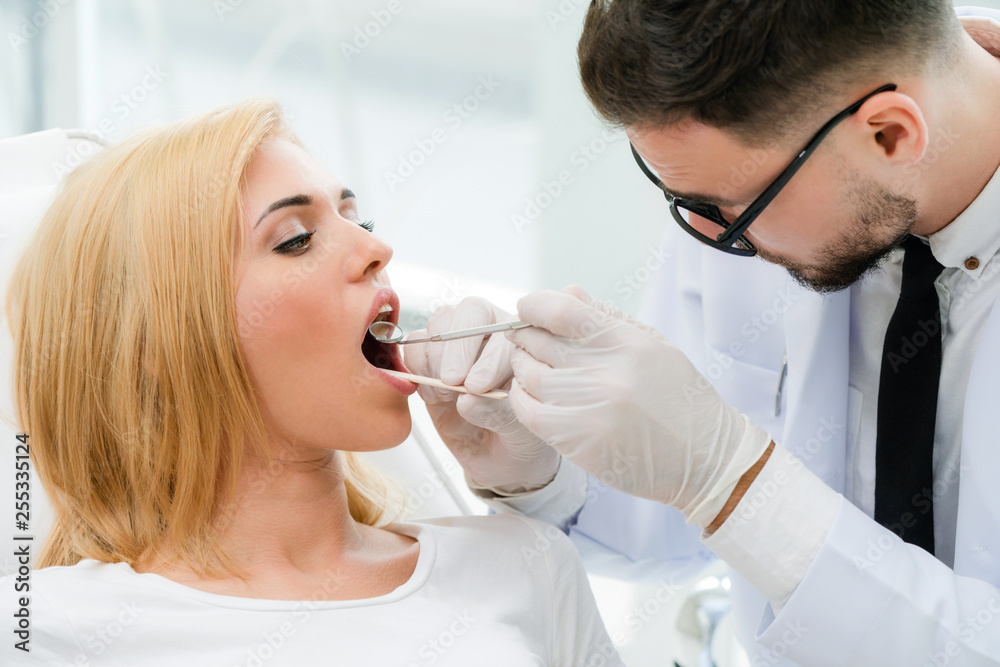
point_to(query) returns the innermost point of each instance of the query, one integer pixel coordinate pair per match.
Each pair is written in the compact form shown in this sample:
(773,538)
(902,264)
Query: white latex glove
(496,450)
(621,401)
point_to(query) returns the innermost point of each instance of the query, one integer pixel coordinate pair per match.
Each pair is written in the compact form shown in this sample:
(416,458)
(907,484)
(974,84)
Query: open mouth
(379,354)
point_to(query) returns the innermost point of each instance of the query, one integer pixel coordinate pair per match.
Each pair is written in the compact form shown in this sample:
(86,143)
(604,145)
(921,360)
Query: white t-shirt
(487,590)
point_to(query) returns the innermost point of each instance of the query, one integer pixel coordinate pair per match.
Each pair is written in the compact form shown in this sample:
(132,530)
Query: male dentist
(834,436)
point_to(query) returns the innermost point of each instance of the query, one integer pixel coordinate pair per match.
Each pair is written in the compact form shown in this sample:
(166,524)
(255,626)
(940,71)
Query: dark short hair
(754,67)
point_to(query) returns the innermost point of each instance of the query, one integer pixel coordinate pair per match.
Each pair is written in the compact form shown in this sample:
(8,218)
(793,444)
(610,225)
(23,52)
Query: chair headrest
(36,159)
(31,168)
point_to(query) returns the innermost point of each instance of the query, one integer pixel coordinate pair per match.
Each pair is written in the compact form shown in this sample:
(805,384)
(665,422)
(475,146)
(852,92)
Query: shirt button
(972,264)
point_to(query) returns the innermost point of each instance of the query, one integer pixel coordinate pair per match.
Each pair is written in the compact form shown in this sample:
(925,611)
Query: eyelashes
(291,246)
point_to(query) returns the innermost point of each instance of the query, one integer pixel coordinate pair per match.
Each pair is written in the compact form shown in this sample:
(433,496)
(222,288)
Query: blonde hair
(128,375)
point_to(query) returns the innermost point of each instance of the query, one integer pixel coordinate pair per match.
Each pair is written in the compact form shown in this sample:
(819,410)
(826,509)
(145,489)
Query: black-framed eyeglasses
(731,237)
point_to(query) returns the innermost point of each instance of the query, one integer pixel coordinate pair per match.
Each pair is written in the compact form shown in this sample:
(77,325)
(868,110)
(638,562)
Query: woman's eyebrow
(296,200)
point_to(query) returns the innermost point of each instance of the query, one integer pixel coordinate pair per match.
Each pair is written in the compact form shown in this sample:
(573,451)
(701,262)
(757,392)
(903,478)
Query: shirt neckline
(421,573)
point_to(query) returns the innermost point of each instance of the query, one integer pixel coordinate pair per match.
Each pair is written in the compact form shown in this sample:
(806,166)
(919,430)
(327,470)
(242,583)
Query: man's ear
(893,125)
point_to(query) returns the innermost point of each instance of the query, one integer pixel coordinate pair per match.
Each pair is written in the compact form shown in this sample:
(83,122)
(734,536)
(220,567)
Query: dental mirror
(387,332)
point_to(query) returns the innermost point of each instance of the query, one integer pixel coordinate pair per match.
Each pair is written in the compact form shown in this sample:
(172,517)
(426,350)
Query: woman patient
(191,365)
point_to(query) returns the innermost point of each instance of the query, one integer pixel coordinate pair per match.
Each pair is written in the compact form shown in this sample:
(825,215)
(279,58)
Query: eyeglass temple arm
(765,197)
(645,170)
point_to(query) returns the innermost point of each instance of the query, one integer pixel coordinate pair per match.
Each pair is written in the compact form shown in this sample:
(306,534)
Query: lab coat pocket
(750,387)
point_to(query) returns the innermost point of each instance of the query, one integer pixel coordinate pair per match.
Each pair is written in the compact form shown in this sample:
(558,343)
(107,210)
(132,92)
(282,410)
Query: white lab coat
(868,599)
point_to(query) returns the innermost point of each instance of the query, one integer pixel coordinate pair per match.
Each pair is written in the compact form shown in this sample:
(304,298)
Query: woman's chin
(392,431)
(400,436)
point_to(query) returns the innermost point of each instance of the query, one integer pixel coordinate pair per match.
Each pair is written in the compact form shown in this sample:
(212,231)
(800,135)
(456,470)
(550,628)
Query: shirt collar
(970,240)
(975,233)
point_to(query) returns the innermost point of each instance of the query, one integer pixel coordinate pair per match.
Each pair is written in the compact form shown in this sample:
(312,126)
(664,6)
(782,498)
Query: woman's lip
(388,296)
(404,387)
(384,296)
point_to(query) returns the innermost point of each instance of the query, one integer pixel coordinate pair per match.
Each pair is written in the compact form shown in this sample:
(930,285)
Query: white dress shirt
(967,289)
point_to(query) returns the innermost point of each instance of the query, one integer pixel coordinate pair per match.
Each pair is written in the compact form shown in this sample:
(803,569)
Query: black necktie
(907,402)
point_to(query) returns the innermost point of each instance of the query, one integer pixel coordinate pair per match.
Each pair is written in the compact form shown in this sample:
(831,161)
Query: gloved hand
(621,401)
(496,450)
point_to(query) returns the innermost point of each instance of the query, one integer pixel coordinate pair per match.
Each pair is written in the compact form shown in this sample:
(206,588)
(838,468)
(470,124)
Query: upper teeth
(386,308)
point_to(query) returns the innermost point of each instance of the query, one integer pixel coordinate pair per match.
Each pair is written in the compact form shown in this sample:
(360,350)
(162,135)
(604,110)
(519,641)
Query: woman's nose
(374,256)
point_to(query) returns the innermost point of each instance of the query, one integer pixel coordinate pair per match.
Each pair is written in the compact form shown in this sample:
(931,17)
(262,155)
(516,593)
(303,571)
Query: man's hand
(496,450)
(622,402)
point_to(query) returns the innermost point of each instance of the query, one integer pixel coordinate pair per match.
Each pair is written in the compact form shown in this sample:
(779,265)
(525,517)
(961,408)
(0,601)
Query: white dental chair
(686,626)
(31,167)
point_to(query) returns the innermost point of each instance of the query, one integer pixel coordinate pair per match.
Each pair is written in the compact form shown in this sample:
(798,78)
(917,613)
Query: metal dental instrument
(387,332)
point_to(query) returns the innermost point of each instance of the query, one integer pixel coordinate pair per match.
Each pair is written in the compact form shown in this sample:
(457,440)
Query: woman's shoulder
(59,597)
(500,527)
(90,588)
(83,575)
(498,534)
(54,578)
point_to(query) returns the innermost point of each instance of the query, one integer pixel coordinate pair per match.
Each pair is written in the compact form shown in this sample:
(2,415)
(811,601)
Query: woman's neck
(290,529)
(292,514)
